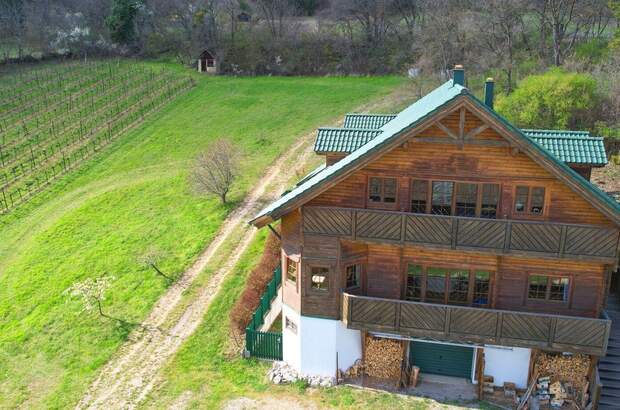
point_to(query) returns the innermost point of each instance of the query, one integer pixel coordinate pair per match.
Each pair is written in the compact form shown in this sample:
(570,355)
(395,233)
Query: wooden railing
(476,325)
(500,236)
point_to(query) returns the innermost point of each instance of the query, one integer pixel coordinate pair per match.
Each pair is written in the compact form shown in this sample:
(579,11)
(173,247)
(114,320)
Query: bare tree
(274,12)
(500,22)
(151,258)
(215,170)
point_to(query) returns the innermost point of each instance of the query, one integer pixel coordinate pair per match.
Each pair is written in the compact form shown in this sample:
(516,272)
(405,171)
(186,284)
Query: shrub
(555,99)
(256,284)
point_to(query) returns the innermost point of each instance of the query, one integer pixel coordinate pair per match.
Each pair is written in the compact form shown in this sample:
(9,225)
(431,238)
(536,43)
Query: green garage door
(442,359)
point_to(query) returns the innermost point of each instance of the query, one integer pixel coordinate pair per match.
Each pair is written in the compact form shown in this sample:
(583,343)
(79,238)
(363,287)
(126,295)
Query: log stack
(571,369)
(383,358)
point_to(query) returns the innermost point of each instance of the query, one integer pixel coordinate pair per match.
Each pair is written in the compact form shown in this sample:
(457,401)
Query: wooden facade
(529,267)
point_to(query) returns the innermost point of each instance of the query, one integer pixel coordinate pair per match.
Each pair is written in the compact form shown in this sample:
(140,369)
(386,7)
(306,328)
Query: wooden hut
(207,63)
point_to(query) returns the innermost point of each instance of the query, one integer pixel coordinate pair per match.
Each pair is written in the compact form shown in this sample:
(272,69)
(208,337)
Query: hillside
(129,197)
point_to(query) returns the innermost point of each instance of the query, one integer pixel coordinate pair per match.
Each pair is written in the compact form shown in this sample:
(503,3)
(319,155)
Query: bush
(256,284)
(555,99)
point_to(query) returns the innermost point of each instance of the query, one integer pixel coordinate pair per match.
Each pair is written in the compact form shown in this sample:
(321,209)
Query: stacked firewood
(383,357)
(565,368)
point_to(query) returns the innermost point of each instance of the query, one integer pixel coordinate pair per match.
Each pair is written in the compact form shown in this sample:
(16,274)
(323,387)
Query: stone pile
(281,373)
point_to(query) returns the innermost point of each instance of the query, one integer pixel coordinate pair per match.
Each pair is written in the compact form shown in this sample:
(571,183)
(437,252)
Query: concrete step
(609,376)
(611,360)
(610,384)
(609,367)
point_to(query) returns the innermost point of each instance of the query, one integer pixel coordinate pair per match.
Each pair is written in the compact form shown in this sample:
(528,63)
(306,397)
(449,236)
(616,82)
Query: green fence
(265,345)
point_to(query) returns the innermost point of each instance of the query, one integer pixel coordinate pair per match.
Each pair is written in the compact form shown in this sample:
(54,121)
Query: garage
(442,359)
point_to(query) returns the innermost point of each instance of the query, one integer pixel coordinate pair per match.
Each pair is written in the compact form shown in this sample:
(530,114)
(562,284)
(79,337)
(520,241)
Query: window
(459,287)
(435,285)
(319,280)
(414,282)
(482,286)
(530,200)
(291,270)
(441,203)
(290,325)
(490,201)
(543,287)
(451,286)
(353,273)
(419,196)
(466,198)
(538,200)
(382,190)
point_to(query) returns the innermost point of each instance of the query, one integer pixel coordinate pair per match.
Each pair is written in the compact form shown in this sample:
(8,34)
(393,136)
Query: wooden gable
(460,146)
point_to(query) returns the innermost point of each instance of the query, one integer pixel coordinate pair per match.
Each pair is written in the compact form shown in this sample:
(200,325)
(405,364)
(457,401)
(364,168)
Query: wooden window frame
(547,299)
(447,283)
(528,206)
(360,267)
(287,260)
(382,204)
(479,191)
(329,275)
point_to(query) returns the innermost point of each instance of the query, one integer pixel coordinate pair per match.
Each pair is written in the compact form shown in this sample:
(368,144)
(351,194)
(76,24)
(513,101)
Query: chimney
(488,92)
(458,75)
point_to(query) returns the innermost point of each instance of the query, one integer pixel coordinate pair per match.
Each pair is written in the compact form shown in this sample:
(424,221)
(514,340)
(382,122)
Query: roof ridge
(349,129)
(567,137)
(371,114)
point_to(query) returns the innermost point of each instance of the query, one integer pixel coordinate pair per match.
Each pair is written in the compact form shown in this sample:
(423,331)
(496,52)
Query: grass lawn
(131,197)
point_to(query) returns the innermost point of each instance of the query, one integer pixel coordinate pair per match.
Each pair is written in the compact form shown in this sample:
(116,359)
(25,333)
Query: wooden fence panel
(327,221)
(591,241)
(535,237)
(481,234)
(379,225)
(428,229)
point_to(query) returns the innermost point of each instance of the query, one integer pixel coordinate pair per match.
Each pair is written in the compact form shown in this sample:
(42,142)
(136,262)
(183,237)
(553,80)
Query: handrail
(477,325)
(498,236)
(265,301)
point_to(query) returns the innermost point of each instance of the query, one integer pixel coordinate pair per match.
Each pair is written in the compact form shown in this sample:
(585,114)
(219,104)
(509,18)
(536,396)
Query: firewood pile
(383,357)
(354,371)
(566,369)
(563,379)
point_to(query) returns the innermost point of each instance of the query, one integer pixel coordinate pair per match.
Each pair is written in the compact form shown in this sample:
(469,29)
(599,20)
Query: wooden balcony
(476,325)
(500,236)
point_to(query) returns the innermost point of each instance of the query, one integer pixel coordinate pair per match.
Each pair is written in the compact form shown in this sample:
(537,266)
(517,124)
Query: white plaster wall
(291,345)
(313,350)
(507,364)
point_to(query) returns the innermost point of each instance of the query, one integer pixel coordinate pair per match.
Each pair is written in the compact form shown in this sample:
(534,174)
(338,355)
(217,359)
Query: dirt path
(131,374)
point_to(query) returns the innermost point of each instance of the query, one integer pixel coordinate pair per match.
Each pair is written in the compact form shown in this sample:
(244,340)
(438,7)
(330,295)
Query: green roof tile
(574,150)
(367,121)
(342,139)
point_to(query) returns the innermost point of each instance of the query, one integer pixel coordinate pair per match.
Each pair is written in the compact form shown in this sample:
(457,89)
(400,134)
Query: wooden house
(446,226)
(207,63)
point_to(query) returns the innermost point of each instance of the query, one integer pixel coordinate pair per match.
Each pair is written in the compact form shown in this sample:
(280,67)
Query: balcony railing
(476,325)
(500,236)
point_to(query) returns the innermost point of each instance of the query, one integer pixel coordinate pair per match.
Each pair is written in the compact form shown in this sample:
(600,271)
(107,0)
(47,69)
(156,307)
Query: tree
(151,258)
(501,23)
(91,292)
(215,170)
(121,22)
(555,99)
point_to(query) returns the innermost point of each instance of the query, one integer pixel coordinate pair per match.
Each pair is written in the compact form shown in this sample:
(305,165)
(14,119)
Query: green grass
(131,197)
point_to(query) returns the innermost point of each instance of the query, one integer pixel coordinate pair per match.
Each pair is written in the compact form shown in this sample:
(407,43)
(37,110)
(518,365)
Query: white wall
(507,364)
(313,350)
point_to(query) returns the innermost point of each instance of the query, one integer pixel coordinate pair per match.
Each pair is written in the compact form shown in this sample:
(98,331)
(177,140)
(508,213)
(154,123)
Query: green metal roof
(413,115)
(574,149)
(367,121)
(342,139)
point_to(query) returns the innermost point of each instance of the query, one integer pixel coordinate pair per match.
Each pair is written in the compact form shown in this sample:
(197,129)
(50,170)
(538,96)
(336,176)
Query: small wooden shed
(207,63)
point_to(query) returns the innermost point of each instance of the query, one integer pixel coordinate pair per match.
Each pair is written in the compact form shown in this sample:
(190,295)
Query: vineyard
(55,118)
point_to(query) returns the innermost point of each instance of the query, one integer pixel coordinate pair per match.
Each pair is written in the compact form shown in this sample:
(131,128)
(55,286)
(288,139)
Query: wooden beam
(471,134)
(447,130)
(462,124)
